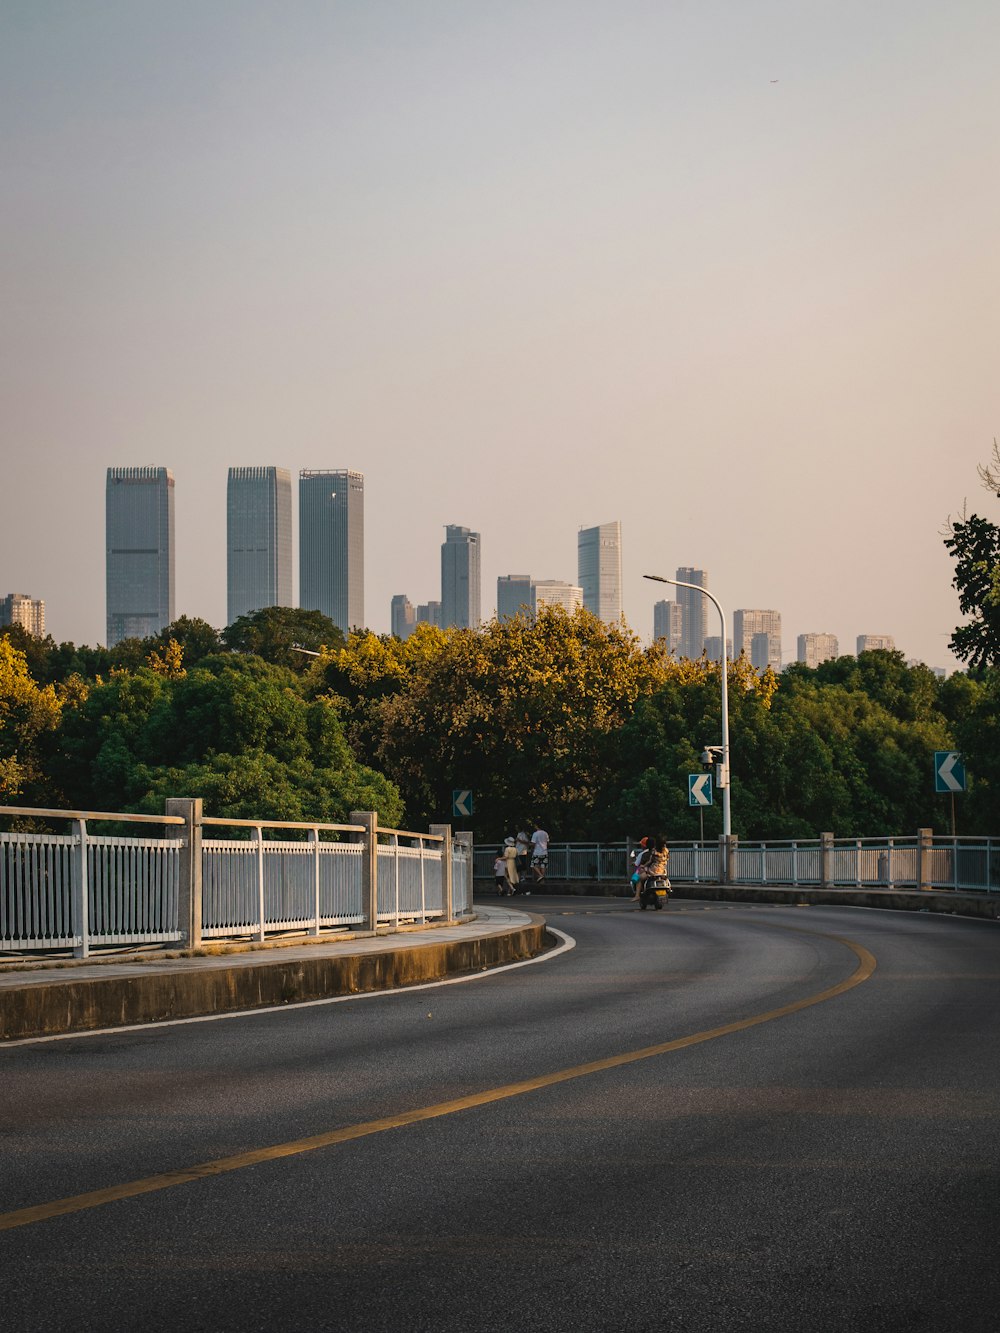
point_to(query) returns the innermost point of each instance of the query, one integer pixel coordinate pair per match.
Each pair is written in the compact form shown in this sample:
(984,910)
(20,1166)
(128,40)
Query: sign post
(700,795)
(950,777)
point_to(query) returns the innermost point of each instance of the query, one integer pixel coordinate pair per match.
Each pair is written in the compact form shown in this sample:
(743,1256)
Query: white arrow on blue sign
(949,771)
(461,804)
(699,789)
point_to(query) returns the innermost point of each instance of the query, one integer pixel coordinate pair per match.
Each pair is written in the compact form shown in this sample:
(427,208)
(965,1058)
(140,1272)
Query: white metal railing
(256,885)
(75,890)
(967,864)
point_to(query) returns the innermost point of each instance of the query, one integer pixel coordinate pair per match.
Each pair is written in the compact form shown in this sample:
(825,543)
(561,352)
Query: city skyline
(772,357)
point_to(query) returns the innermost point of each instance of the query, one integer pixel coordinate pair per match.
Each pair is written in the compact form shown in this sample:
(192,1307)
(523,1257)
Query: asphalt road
(793,1124)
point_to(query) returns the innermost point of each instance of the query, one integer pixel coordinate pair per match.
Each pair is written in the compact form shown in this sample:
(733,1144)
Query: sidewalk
(42,998)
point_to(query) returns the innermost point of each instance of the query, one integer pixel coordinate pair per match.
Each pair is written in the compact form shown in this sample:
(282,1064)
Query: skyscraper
(668,618)
(816,648)
(258,539)
(403,617)
(515,593)
(693,611)
(17,608)
(332,545)
(599,569)
(139,551)
(748,624)
(460,578)
(765,650)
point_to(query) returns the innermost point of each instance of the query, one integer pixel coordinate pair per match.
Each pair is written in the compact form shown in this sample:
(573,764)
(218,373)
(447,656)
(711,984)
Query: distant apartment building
(713,648)
(870,643)
(515,595)
(694,612)
(332,545)
(765,651)
(429,613)
(139,551)
(461,587)
(403,616)
(599,569)
(553,592)
(17,608)
(747,625)
(668,623)
(816,648)
(258,540)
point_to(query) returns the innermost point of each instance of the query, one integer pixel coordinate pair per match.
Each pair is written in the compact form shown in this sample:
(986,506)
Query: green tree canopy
(276,631)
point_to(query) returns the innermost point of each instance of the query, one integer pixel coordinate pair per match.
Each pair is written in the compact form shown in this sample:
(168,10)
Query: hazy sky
(728,270)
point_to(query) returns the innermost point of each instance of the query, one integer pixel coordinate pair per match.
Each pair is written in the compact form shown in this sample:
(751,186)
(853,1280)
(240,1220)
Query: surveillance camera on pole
(715,755)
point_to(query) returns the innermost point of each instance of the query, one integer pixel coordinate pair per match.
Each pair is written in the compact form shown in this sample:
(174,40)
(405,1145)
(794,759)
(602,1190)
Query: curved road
(711,1118)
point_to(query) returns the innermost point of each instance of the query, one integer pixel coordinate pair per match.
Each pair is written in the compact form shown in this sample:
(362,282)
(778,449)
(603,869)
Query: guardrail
(79,890)
(922,861)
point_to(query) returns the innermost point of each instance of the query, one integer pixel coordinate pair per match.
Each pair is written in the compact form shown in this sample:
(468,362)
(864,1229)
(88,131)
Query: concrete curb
(47,1008)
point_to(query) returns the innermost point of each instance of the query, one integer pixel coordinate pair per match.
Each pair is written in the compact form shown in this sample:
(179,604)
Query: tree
(274,632)
(974,543)
(27,712)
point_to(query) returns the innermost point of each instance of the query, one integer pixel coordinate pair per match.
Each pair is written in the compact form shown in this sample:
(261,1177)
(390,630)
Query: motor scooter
(654,893)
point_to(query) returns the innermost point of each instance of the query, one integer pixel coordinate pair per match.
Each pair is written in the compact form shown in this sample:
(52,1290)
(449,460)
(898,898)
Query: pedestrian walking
(500,874)
(539,853)
(523,844)
(510,865)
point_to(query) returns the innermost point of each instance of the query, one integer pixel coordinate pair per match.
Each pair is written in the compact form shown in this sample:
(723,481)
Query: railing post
(189,872)
(369,865)
(465,839)
(925,845)
(826,860)
(727,857)
(314,839)
(259,837)
(81,894)
(443,831)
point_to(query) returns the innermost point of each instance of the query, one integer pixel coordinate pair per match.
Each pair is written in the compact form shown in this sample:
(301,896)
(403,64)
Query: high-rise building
(713,648)
(599,569)
(460,579)
(765,651)
(668,618)
(429,613)
(332,545)
(139,550)
(258,540)
(17,608)
(403,616)
(515,594)
(746,624)
(870,643)
(553,592)
(693,612)
(816,648)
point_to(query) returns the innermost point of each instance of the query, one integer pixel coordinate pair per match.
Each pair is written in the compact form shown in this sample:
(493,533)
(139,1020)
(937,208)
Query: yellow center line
(22,1217)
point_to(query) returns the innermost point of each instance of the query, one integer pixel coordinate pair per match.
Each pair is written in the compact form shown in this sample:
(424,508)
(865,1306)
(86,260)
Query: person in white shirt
(539,853)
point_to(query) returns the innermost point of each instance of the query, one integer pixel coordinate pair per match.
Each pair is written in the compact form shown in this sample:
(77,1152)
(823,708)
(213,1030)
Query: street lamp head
(657,578)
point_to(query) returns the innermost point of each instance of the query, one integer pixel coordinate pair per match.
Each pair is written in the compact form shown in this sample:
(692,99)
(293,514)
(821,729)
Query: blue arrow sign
(949,771)
(699,789)
(461,804)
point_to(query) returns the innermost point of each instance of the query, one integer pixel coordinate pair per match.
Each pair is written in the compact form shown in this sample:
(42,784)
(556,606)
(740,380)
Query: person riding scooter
(654,886)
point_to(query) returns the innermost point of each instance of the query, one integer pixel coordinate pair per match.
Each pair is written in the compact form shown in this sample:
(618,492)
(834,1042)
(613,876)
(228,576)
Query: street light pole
(727,827)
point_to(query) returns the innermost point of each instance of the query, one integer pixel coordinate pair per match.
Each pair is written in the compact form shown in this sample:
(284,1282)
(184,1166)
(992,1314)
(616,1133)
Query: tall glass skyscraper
(693,613)
(332,545)
(461,586)
(258,540)
(599,569)
(139,550)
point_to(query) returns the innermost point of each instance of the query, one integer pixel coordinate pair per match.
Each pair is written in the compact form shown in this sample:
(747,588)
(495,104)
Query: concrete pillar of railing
(727,857)
(443,831)
(369,865)
(925,845)
(826,860)
(190,809)
(465,840)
